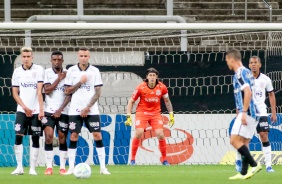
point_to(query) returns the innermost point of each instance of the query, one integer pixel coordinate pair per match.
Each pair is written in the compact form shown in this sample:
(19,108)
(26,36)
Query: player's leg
(48,128)
(20,129)
(62,127)
(93,124)
(35,132)
(140,125)
(75,124)
(157,125)
(263,129)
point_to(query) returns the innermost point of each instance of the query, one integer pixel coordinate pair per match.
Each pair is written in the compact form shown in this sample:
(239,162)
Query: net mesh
(198,80)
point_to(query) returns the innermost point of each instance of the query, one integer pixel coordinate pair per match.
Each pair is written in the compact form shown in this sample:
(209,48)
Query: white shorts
(246,131)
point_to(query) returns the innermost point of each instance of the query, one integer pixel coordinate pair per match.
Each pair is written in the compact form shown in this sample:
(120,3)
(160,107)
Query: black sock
(245,165)
(247,156)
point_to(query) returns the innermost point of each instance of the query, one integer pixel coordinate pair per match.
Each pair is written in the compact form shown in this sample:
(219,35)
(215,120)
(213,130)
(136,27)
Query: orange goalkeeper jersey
(150,99)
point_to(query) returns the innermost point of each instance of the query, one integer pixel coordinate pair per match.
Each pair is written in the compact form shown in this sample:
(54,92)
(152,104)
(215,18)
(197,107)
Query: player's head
(26,56)
(255,64)
(83,56)
(152,75)
(57,59)
(233,57)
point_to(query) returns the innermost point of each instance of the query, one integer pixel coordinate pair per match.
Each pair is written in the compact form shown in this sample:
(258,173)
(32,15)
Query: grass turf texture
(125,174)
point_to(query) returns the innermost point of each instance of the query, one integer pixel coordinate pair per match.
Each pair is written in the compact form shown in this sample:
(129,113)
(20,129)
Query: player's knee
(48,138)
(97,136)
(74,136)
(35,141)
(264,136)
(19,140)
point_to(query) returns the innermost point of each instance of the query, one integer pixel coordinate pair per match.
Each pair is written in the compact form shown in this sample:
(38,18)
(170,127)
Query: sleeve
(269,88)
(68,79)
(164,92)
(136,93)
(40,75)
(46,79)
(15,79)
(98,79)
(245,79)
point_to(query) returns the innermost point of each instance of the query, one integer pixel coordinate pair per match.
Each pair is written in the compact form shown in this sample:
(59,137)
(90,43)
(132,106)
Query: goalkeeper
(148,112)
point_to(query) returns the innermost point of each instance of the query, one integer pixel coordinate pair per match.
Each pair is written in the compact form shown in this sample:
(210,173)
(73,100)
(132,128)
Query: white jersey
(82,96)
(27,81)
(261,85)
(55,99)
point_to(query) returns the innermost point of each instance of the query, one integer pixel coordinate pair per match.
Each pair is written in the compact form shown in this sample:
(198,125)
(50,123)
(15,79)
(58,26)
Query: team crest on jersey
(17,127)
(137,122)
(158,92)
(72,125)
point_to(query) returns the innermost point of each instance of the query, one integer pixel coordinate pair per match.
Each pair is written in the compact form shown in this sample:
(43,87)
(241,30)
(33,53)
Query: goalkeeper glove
(171,119)
(128,121)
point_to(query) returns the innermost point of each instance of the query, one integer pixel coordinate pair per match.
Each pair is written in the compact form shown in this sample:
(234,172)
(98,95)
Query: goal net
(198,80)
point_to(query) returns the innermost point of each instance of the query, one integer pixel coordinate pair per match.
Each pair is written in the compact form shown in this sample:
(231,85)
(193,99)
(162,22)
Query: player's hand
(273,118)
(171,119)
(84,112)
(62,75)
(83,79)
(128,121)
(244,118)
(41,114)
(57,114)
(28,112)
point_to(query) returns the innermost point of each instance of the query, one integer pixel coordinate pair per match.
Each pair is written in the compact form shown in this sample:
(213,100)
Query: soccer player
(55,111)
(84,82)
(27,83)
(148,110)
(245,123)
(262,84)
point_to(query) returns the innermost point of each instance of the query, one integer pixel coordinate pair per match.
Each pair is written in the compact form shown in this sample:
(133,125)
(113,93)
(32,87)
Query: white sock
(238,155)
(49,158)
(102,157)
(63,158)
(33,157)
(19,155)
(267,155)
(71,155)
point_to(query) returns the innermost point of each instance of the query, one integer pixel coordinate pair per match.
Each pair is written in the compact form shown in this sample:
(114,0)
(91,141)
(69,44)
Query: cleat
(32,172)
(104,171)
(238,165)
(132,162)
(269,169)
(69,172)
(62,171)
(49,171)
(238,176)
(165,162)
(256,169)
(18,171)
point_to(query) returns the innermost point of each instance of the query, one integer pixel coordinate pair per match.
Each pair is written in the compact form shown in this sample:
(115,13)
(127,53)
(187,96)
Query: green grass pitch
(141,174)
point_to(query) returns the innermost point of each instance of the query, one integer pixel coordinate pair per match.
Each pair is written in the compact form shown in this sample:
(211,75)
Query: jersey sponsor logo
(29,85)
(72,125)
(17,127)
(259,94)
(87,87)
(153,99)
(62,88)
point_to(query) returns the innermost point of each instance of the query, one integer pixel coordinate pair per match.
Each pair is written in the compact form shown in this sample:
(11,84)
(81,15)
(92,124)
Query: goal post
(198,81)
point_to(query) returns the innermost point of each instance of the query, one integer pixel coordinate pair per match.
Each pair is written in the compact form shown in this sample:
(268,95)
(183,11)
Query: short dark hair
(84,49)
(152,70)
(255,57)
(57,53)
(234,53)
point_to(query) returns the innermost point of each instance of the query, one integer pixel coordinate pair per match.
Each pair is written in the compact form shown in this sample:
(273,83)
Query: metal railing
(246,8)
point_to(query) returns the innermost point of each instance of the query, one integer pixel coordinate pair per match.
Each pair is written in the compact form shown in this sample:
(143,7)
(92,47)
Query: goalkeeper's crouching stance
(148,110)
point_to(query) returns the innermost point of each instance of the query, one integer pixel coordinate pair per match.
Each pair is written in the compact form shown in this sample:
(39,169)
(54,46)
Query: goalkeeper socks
(102,157)
(71,155)
(267,153)
(244,151)
(33,157)
(162,146)
(19,155)
(134,148)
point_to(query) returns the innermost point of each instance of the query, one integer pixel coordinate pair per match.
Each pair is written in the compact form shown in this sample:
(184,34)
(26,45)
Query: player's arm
(48,88)
(169,109)
(58,112)
(272,101)
(93,100)
(16,96)
(71,89)
(40,100)
(130,104)
(246,102)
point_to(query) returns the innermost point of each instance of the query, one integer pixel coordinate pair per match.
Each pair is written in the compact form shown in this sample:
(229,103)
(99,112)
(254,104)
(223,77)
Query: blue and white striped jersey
(243,78)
